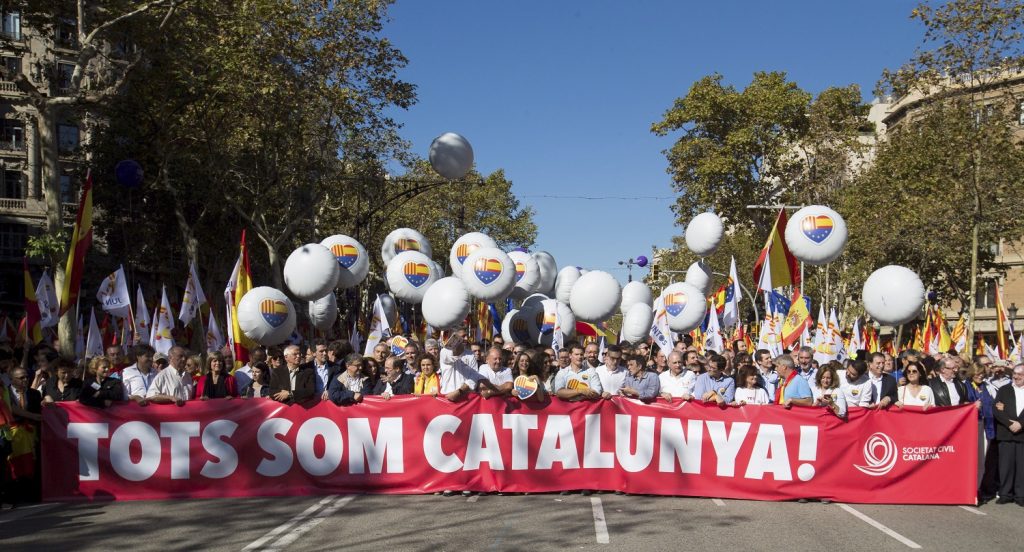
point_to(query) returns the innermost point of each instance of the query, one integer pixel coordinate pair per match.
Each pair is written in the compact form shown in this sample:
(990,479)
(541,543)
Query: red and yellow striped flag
(81,239)
(1002,325)
(33,329)
(785,270)
(238,285)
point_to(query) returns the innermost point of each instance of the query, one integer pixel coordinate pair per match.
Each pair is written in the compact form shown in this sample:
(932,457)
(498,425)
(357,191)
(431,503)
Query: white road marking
(25,511)
(312,522)
(718,501)
(473,498)
(288,524)
(600,528)
(974,511)
(879,526)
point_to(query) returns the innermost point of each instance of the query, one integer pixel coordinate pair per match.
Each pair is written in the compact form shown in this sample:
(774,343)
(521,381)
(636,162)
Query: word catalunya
(321,446)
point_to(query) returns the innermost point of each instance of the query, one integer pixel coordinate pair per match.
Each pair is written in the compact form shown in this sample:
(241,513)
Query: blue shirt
(797,389)
(322,375)
(645,383)
(723,385)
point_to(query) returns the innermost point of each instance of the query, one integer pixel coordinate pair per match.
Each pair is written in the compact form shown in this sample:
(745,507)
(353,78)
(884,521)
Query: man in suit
(1010,439)
(290,383)
(324,369)
(948,390)
(883,386)
(395,381)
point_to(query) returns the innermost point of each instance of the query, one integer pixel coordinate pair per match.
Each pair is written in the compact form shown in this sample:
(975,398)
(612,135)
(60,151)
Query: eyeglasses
(912,372)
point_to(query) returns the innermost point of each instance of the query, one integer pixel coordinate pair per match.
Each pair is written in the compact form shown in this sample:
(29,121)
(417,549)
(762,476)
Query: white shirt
(954,396)
(876,385)
(678,386)
(1018,395)
(924,397)
(168,382)
(857,393)
(456,371)
(837,394)
(502,376)
(757,395)
(243,376)
(136,384)
(611,381)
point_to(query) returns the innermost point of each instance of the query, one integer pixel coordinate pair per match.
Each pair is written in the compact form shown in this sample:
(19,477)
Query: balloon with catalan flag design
(489,274)
(816,235)
(464,247)
(401,240)
(266,316)
(685,306)
(409,276)
(353,262)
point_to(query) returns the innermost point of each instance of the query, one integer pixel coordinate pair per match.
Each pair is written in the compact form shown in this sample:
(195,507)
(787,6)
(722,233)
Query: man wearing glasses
(291,384)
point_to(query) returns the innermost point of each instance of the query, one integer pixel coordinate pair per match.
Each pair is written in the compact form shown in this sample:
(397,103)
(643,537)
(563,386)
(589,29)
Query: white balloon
(436,269)
(489,274)
(566,319)
(698,275)
(527,274)
(311,272)
(566,278)
(465,245)
(404,239)
(409,276)
(451,156)
(685,306)
(506,326)
(519,324)
(534,299)
(353,262)
(548,272)
(816,235)
(323,312)
(636,323)
(893,295)
(704,233)
(635,292)
(266,315)
(595,296)
(446,304)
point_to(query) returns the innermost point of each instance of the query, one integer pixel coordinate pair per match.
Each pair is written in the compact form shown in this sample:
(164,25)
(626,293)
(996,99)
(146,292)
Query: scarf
(780,392)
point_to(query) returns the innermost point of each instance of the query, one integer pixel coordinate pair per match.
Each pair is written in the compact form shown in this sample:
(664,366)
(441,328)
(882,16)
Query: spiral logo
(879,455)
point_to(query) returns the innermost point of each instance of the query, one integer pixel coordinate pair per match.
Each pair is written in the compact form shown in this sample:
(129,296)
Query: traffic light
(655,273)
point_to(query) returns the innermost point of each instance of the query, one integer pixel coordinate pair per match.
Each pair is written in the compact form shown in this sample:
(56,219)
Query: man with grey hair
(792,389)
(168,386)
(290,383)
(948,390)
(677,381)
(805,369)
(431,347)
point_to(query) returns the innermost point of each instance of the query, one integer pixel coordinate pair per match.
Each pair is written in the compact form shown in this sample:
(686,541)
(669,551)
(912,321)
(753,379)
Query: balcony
(7,87)
(7,204)
(10,144)
(33,208)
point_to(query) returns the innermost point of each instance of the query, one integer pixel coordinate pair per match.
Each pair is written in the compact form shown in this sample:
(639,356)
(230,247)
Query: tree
(970,50)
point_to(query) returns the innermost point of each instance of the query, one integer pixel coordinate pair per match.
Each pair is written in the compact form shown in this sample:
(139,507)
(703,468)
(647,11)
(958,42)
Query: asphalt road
(386,523)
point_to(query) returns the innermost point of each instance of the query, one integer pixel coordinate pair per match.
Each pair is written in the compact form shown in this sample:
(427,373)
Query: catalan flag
(345,253)
(33,327)
(417,274)
(959,335)
(675,303)
(464,249)
(239,284)
(817,227)
(784,269)
(81,240)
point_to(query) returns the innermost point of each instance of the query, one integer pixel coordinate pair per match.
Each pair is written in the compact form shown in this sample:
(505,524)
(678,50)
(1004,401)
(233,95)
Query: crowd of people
(322,371)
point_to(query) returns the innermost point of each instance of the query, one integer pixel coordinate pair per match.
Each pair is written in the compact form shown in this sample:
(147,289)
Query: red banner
(223,448)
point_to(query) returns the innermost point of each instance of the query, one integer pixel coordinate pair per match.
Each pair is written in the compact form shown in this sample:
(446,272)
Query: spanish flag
(81,239)
(1002,327)
(784,269)
(945,339)
(796,320)
(33,329)
(238,285)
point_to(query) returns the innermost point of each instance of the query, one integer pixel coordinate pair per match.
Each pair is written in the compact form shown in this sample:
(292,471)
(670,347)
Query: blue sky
(561,95)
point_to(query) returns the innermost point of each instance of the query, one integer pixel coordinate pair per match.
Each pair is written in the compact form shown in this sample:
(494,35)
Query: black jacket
(1008,414)
(305,384)
(401,386)
(941,392)
(96,394)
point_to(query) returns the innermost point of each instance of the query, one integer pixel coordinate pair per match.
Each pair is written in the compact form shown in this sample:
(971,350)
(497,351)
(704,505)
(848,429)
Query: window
(1020,114)
(13,238)
(67,190)
(12,135)
(67,34)
(12,25)
(64,73)
(67,138)
(986,298)
(11,67)
(14,185)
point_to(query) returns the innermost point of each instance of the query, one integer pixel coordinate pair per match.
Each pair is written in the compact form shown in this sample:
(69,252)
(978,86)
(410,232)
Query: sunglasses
(913,372)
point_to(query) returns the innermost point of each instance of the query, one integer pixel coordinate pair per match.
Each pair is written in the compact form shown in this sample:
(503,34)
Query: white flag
(193,298)
(769,338)
(660,331)
(152,325)
(856,343)
(163,324)
(94,344)
(733,295)
(823,347)
(379,327)
(353,336)
(49,307)
(766,275)
(713,337)
(837,336)
(214,339)
(113,294)
(142,320)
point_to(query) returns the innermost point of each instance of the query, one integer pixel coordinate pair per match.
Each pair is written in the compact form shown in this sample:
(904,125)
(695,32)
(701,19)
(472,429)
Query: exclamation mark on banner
(808,452)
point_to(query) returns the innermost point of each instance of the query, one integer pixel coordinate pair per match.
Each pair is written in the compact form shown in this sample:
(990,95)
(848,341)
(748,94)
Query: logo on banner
(416,273)
(524,387)
(879,455)
(274,312)
(406,244)
(487,270)
(464,249)
(346,253)
(675,303)
(817,227)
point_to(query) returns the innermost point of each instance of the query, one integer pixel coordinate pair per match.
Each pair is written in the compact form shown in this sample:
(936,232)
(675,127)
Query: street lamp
(628,263)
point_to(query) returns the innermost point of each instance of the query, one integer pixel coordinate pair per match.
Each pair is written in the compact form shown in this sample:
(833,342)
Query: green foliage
(48,247)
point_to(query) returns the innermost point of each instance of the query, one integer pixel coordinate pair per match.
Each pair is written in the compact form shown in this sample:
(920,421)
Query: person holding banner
(676,382)
(577,382)
(855,384)
(639,383)
(394,381)
(349,386)
(427,382)
(714,385)
(1010,437)
(100,389)
(827,391)
(792,389)
(139,376)
(988,451)
(169,386)
(62,387)
(290,384)
(748,391)
(499,375)
(257,386)
(916,392)
(766,376)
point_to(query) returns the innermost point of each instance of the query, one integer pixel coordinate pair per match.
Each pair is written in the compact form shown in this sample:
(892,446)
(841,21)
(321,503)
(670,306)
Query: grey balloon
(451,156)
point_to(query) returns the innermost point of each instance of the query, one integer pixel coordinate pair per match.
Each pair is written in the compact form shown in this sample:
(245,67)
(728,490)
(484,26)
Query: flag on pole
(768,337)
(733,296)
(856,340)
(143,322)
(660,332)
(49,307)
(80,339)
(94,343)
(824,346)
(959,335)
(353,336)
(379,327)
(81,239)
(713,337)
(214,339)
(113,294)
(837,336)
(945,340)
(783,267)
(164,324)
(1003,327)
(239,284)
(33,328)
(796,320)
(193,298)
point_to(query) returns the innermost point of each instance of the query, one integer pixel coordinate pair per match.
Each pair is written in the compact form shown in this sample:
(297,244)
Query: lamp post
(628,263)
